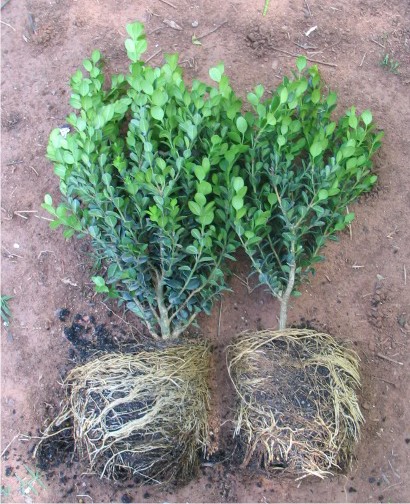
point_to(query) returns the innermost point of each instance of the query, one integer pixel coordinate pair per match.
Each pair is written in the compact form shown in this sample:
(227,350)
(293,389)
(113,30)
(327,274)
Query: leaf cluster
(146,175)
(168,180)
(301,172)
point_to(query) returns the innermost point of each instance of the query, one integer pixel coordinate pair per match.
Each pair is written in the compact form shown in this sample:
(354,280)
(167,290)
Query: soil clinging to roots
(297,406)
(139,415)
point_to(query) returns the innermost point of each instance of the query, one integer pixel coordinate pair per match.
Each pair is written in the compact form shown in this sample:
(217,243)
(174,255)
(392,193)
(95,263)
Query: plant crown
(301,172)
(146,174)
(168,181)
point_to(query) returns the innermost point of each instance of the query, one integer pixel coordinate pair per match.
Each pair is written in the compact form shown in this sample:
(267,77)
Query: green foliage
(390,64)
(146,174)
(5,309)
(301,172)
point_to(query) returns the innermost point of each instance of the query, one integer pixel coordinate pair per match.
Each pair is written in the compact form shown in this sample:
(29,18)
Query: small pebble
(194,24)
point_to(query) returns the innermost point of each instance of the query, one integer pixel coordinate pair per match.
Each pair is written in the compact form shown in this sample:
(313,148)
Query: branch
(199,289)
(284,302)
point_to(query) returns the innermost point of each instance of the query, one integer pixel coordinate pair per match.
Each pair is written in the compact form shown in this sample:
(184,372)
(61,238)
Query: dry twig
(168,3)
(378,43)
(364,56)
(7,24)
(211,31)
(293,55)
(389,359)
(153,56)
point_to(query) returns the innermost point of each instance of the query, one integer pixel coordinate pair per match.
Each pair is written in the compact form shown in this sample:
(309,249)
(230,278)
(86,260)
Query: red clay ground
(360,293)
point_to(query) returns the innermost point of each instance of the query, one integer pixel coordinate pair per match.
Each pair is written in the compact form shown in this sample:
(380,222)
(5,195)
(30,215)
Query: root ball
(141,415)
(297,406)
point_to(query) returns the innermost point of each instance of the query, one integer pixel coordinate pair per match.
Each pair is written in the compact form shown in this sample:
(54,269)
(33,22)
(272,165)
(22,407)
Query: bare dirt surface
(361,292)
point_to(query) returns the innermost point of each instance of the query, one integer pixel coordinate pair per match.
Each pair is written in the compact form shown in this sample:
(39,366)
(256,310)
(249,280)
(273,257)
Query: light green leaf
(237,202)
(194,207)
(84,88)
(200,199)
(87,65)
(95,56)
(271,119)
(367,117)
(272,198)
(159,98)
(147,87)
(191,249)
(157,113)
(353,121)
(204,187)
(331,99)
(316,149)
(215,74)
(259,90)
(283,95)
(135,30)
(322,195)
(315,95)
(241,124)
(301,63)
(238,183)
(200,172)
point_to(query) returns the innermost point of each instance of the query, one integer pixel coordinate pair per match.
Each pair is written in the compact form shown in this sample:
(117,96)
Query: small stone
(194,24)
(366,406)
(126,498)
(401,320)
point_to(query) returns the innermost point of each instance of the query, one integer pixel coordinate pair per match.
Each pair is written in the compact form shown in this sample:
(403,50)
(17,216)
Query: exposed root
(297,408)
(141,415)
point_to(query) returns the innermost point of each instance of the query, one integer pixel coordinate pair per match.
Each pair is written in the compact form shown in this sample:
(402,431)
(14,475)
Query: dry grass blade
(298,408)
(141,415)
